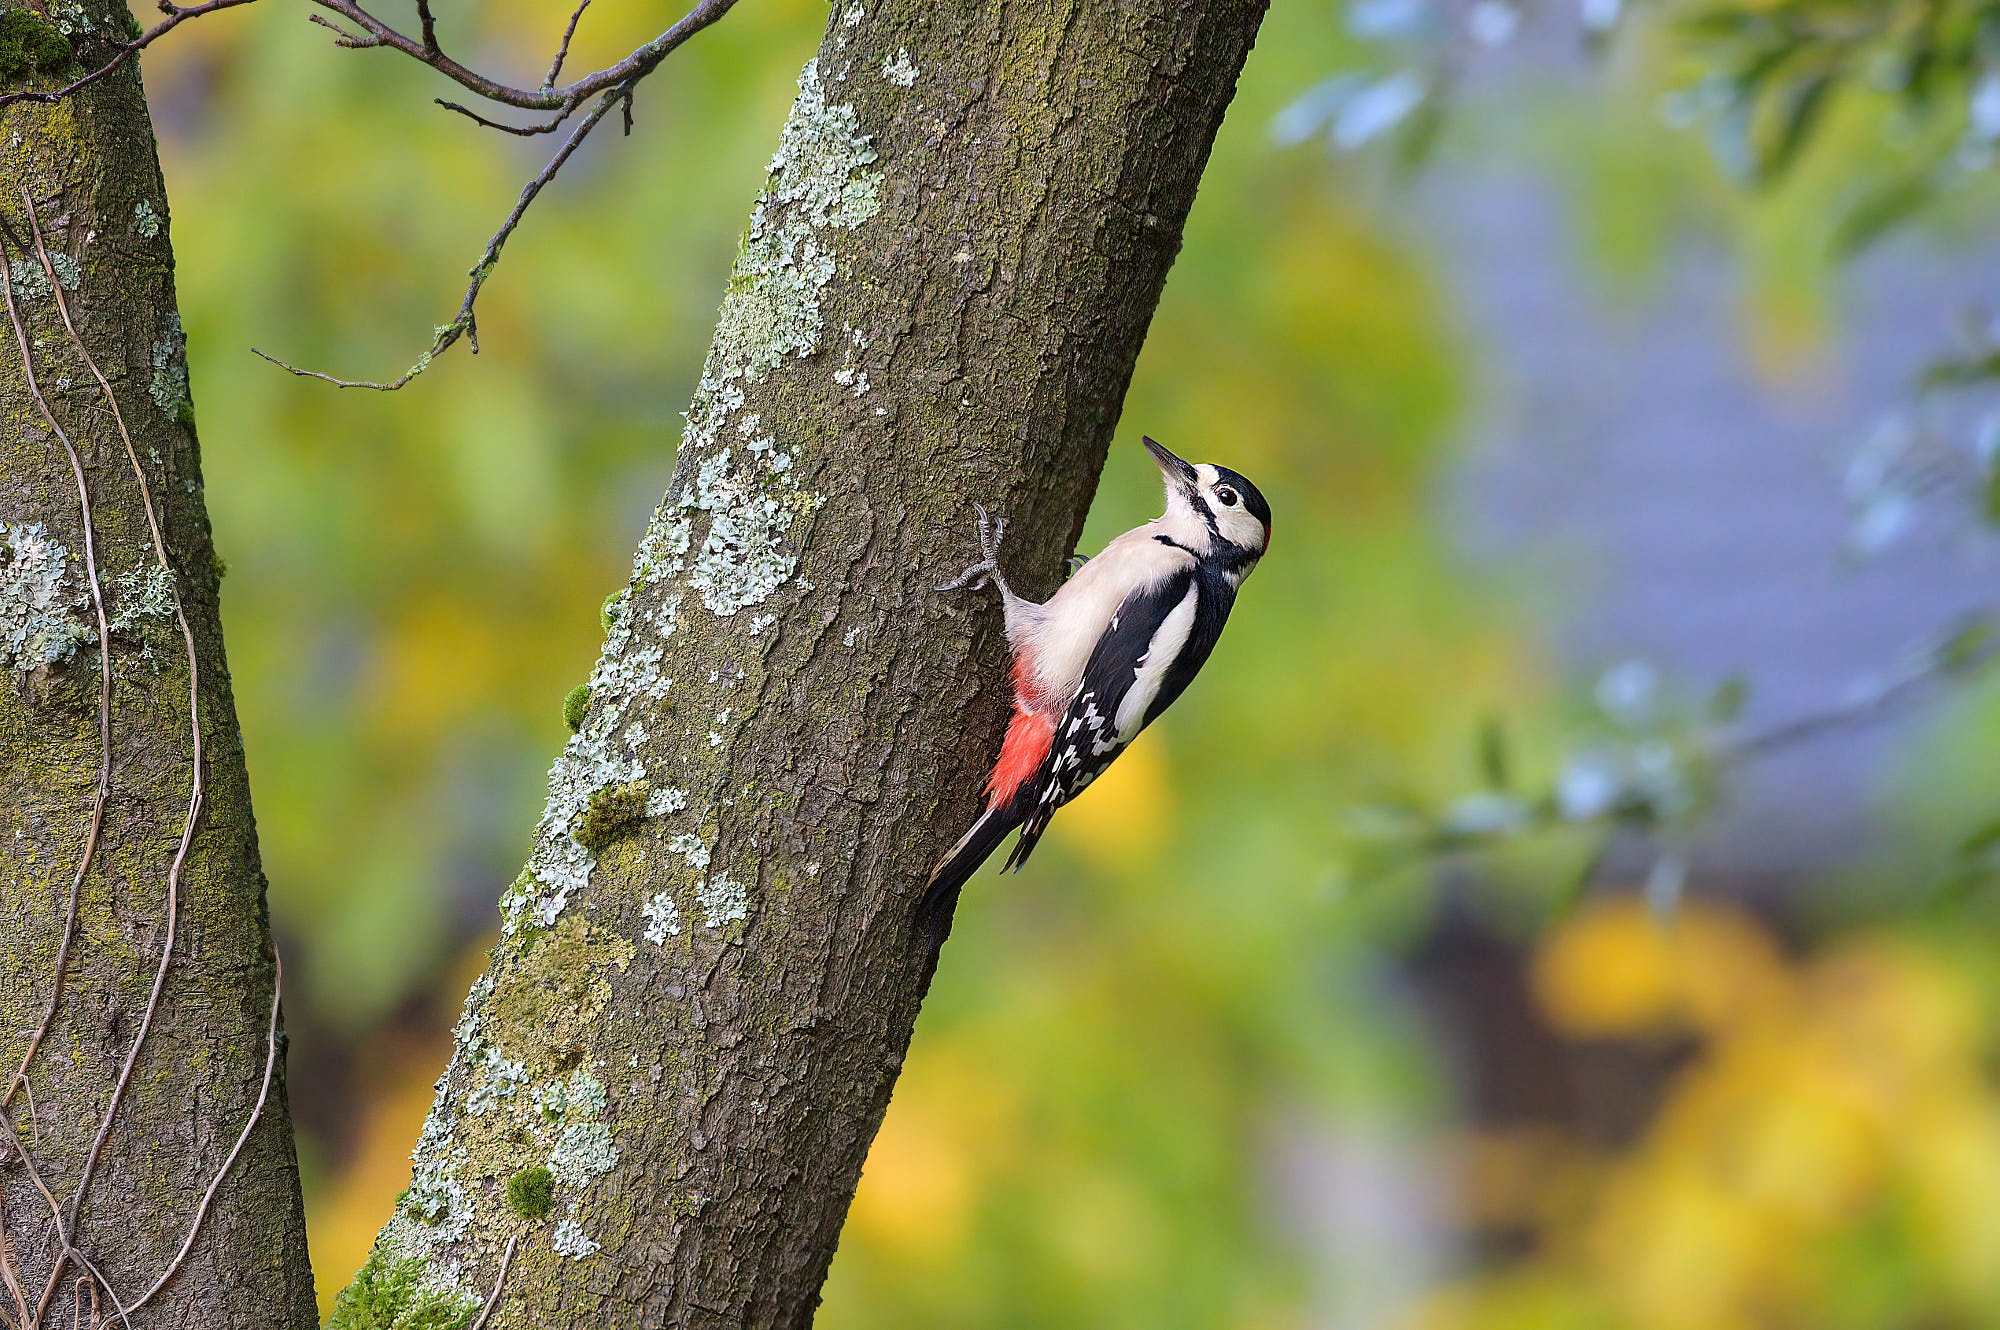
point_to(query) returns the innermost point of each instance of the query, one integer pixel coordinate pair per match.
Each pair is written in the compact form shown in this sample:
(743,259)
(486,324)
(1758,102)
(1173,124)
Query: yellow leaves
(1677,1253)
(1123,815)
(345,1212)
(1836,1109)
(1108,1231)
(1522,1178)
(950,1125)
(1953,1163)
(1619,970)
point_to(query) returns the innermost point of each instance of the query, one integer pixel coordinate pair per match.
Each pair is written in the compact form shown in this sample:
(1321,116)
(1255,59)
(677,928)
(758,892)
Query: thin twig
(549,126)
(612,85)
(125,51)
(562,51)
(1871,704)
(493,1299)
(389,387)
(341,36)
(364,31)
(256,1112)
(465,324)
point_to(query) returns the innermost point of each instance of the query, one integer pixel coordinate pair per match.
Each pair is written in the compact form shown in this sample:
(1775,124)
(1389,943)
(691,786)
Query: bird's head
(1213,510)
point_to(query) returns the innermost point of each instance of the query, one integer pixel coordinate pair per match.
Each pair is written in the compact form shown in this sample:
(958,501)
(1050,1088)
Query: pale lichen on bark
(721,541)
(41,607)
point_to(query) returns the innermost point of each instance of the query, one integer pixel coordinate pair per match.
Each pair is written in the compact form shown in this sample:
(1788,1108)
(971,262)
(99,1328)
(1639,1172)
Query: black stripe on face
(1200,501)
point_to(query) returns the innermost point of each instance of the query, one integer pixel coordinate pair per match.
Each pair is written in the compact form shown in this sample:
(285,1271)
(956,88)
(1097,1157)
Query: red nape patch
(1028,740)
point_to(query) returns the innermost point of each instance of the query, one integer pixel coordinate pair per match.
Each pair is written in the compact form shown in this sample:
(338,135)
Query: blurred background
(1475,946)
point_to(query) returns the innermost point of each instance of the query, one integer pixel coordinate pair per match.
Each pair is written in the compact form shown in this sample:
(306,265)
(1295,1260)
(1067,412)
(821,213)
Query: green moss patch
(611,813)
(531,1193)
(576,704)
(390,1294)
(30,44)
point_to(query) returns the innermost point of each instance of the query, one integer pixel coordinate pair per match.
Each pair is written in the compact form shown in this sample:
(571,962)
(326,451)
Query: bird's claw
(991,530)
(971,577)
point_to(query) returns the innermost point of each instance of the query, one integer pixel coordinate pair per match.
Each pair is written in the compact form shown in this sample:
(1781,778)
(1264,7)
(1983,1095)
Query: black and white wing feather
(1156,641)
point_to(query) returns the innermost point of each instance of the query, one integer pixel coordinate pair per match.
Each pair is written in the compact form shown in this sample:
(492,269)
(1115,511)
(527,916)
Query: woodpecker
(1104,656)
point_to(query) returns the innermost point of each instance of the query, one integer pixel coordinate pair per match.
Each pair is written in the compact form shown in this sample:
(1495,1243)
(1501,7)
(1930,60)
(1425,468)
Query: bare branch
(176,15)
(641,62)
(361,30)
(562,51)
(464,324)
(548,126)
(388,387)
(1880,699)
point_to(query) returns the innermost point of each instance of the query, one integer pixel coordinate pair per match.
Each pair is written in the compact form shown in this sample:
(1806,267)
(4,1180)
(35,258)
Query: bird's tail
(934,911)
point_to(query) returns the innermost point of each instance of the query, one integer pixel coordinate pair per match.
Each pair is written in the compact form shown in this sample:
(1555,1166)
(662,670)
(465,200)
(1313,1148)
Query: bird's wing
(1133,662)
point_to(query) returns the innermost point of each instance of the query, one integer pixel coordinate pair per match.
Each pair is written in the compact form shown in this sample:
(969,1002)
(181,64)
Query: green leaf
(1418,142)
(1961,373)
(1493,764)
(1981,842)
(1796,109)
(1725,704)
(1879,211)
(1969,645)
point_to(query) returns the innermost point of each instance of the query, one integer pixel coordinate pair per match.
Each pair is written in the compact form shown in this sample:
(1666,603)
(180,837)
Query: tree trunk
(665,1083)
(143,931)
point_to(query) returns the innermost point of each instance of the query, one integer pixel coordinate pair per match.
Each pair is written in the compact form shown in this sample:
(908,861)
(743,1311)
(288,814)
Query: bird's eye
(1226,497)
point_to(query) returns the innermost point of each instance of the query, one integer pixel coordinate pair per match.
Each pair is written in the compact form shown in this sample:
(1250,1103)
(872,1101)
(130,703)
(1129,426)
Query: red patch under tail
(1028,739)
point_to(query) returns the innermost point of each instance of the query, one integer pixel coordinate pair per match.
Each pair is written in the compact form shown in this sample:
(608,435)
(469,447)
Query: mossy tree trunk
(665,1083)
(148,632)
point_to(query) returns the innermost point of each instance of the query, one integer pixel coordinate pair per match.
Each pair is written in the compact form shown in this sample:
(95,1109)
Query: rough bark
(707,976)
(89,165)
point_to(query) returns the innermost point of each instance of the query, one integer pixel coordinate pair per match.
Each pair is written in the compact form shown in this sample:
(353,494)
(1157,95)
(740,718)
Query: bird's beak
(1178,473)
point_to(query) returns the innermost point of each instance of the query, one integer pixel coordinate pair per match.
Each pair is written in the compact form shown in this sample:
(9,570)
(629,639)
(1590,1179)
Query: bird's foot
(991,529)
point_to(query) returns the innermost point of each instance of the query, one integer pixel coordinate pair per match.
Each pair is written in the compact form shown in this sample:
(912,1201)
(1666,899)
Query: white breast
(1067,628)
